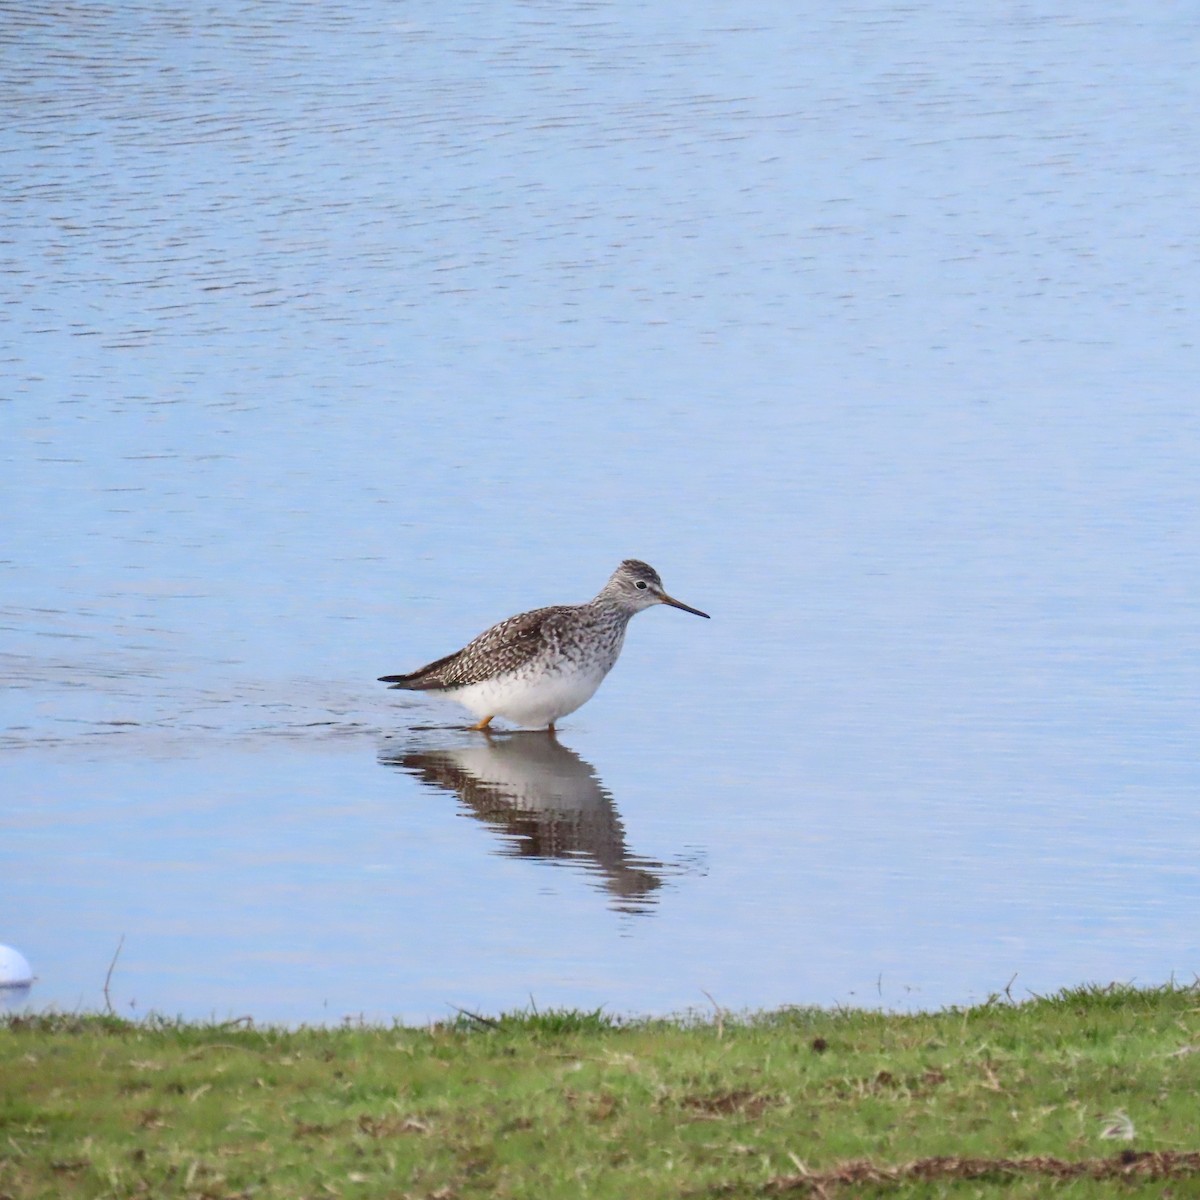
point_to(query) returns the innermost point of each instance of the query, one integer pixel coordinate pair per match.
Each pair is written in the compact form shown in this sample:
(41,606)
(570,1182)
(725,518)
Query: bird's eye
(640,585)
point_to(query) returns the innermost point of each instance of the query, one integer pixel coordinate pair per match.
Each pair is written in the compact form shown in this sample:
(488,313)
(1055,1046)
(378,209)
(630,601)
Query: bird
(537,667)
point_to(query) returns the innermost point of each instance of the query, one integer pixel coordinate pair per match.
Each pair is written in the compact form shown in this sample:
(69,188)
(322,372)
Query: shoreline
(1092,1084)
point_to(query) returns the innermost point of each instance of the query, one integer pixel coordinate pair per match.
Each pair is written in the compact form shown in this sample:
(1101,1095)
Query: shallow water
(331,338)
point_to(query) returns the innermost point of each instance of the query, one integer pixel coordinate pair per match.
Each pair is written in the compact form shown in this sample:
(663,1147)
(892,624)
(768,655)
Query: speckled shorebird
(539,666)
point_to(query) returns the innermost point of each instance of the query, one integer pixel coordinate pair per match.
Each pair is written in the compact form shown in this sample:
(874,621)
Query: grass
(1092,1092)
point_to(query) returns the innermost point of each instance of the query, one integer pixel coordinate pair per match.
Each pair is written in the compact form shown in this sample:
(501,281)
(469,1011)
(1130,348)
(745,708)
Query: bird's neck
(608,606)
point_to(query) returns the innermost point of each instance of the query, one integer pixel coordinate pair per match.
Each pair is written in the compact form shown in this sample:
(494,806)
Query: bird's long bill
(680,604)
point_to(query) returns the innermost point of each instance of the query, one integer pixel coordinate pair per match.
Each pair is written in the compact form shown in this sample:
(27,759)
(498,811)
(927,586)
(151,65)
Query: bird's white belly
(535,700)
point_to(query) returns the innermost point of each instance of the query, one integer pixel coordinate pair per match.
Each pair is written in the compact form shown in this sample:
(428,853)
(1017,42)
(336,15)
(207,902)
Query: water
(332,335)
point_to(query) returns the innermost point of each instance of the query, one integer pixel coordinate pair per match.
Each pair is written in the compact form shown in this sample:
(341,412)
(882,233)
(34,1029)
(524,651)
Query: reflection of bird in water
(541,665)
(547,802)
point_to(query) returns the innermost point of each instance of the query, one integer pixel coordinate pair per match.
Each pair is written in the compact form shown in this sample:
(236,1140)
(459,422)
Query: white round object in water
(15,970)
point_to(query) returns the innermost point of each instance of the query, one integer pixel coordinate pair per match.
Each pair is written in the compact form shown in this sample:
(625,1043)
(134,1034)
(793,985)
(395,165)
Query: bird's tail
(428,678)
(397,681)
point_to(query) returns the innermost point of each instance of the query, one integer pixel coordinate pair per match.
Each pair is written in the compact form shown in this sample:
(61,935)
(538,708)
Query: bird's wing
(503,648)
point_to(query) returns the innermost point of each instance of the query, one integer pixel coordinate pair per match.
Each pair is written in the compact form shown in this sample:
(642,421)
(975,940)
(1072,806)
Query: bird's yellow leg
(484,723)
(550,728)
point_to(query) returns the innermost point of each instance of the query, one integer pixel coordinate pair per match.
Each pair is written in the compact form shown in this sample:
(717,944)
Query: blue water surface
(332,334)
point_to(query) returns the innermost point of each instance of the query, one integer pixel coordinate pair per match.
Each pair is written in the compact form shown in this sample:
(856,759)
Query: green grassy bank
(1094,1092)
